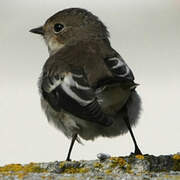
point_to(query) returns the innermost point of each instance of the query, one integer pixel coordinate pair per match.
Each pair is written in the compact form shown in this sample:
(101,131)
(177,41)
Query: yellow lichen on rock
(75,170)
(176,156)
(11,168)
(140,157)
(108,171)
(118,161)
(20,170)
(97,165)
(176,165)
(62,164)
(72,170)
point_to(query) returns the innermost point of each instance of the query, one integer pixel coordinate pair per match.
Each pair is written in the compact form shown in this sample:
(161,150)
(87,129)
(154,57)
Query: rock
(131,167)
(103,156)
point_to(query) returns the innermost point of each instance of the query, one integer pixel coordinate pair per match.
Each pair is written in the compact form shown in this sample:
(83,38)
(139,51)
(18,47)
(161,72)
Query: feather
(75,96)
(119,68)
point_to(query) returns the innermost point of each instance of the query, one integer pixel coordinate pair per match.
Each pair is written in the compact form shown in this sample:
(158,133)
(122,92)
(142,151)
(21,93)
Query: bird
(87,89)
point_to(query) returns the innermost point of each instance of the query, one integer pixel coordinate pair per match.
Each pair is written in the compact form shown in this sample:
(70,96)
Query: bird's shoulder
(85,55)
(101,63)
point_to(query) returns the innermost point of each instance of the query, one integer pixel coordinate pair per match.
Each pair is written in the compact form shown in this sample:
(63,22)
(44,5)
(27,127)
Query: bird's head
(70,26)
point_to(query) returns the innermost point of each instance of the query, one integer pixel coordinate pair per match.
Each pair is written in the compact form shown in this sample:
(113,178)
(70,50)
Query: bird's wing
(73,94)
(119,69)
(115,89)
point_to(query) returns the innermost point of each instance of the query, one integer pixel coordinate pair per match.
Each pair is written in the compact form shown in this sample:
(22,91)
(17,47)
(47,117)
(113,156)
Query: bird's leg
(71,146)
(126,119)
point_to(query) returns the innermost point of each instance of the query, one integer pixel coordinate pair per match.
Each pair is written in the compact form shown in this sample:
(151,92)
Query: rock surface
(131,167)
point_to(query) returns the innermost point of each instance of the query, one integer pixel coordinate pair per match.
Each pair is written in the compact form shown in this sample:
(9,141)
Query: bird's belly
(87,130)
(61,120)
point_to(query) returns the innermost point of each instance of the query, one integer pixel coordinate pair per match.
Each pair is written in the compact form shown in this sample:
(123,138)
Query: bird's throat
(53,46)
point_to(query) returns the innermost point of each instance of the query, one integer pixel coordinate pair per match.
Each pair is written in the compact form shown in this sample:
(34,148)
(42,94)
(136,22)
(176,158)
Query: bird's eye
(58,28)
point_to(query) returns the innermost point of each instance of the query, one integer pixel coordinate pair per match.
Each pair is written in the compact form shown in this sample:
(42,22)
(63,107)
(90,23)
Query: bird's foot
(137,152)
(68,159)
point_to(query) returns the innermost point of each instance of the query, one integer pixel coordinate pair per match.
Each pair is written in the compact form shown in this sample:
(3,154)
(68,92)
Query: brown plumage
(87,89)
(83,54)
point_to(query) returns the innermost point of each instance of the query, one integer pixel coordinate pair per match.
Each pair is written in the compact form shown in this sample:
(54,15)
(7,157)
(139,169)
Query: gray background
(145,33)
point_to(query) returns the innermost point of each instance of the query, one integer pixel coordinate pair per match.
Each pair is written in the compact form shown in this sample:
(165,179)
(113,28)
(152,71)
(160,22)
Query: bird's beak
(38,30)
